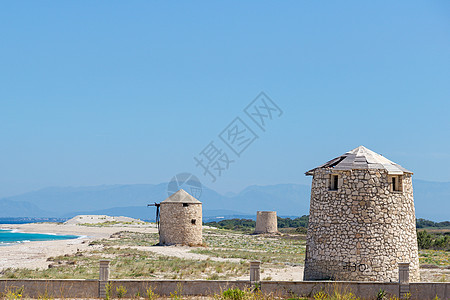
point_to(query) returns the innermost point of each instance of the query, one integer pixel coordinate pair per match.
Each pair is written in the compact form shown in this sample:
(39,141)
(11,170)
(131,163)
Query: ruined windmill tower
(362,221)
(180,220)
(266,222)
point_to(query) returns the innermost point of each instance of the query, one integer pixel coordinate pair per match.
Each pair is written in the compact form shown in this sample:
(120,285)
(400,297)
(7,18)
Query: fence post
(255,272)
(103,278)
(403,279)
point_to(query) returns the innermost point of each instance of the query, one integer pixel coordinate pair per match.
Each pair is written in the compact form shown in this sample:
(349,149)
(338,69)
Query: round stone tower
(180,220)
(266,222)
(362,221)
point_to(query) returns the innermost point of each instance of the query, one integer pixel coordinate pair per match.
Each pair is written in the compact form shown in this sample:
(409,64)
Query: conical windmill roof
(181,196)
(362,158)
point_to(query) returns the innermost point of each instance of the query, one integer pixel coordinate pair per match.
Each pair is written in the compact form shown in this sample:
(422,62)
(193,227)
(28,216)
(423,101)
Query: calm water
(10,237)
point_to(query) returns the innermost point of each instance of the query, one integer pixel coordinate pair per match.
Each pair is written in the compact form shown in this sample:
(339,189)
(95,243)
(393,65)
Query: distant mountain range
(432,201)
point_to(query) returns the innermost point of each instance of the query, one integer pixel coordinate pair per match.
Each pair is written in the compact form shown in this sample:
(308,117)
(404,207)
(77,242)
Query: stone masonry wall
(177,224)
(266,222)
(362,230)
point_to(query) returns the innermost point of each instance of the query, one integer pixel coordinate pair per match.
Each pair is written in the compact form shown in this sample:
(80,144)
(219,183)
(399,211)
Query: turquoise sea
(11,237)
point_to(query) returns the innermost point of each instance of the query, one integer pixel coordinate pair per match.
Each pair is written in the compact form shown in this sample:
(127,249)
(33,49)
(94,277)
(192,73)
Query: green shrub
(108,291)
(16,293)
(234,294)
(424,240)
(121,291)
(381,295)
(151,295)
(436,241)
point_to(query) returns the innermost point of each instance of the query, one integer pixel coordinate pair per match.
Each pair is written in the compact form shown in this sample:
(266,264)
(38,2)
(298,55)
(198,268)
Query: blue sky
(114,92)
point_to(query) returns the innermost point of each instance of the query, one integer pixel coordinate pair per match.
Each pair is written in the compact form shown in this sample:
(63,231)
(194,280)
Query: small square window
(185,204)
(396,183)
(334,182)
(193,221)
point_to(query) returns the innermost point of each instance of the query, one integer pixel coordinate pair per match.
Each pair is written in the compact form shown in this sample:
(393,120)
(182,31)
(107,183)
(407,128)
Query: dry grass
(283,248)
(434,229)
(131,263)
(274,251)
(434,257)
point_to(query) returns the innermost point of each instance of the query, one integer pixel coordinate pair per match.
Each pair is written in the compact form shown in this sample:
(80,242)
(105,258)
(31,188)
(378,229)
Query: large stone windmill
(362,221)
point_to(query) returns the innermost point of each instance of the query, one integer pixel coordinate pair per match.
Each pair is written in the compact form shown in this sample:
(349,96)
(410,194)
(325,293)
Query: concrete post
(103,278)
(403,279)
(255,271)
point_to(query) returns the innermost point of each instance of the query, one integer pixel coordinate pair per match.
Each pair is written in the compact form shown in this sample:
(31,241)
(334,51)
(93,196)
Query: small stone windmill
(180,220)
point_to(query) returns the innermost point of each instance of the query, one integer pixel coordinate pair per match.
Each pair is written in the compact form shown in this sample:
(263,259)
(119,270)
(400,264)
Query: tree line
(249,224)
(422,223)
(239,224)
